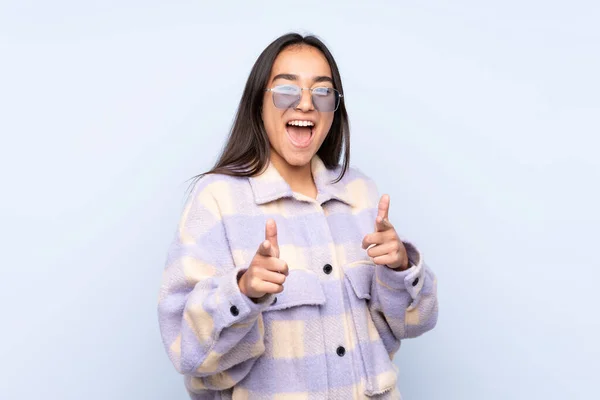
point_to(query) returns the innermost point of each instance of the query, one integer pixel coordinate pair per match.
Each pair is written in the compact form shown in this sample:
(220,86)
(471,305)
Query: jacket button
(416,281)
(274,301)
(327,269)
(341,351)
(234,311)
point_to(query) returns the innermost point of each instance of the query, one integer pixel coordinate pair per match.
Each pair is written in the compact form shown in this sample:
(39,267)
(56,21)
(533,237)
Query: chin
(298,159)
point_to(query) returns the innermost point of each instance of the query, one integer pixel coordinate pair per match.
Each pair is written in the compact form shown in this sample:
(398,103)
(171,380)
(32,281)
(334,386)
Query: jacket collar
(270,185)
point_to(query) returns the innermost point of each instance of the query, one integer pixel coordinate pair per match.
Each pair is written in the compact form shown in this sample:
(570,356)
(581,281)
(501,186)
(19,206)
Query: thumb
(265,249)
(271,235)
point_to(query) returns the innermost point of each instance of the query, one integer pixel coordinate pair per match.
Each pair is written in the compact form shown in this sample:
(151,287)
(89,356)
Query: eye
(322,91)
(287,89)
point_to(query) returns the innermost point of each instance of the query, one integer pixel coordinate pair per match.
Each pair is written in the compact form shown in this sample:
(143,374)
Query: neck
(298,177)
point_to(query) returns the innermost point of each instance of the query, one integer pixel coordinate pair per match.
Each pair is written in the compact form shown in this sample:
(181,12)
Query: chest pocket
(293,331)
(379,371)
(301,288)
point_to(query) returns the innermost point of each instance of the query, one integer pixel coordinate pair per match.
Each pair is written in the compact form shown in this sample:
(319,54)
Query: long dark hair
(247,150)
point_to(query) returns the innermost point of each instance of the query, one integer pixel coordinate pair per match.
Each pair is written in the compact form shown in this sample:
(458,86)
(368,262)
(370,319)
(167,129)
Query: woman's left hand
(388,249)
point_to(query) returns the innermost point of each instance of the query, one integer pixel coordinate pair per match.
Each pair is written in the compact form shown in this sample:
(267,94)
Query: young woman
(286,280)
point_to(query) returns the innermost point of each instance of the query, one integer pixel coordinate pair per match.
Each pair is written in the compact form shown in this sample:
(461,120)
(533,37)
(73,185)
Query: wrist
(242,282)
(241,279)
(402,267)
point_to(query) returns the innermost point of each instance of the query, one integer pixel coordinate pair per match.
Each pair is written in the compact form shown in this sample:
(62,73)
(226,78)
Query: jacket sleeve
(405,300)
(211,331)
(403,303)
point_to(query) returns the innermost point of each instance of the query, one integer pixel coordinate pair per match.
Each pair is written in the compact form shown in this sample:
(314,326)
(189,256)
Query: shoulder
(355,176)
(359,186)
(214,183)
(355,173)
(218,189)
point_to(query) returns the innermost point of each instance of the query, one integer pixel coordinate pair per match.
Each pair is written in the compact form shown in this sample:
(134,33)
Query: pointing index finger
(381,222)
(384,206)
(271,232)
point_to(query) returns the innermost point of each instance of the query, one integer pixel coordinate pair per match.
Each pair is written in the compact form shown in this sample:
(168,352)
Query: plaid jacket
(332,332)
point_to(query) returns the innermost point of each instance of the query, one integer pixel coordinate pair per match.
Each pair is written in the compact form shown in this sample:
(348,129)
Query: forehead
(304,61)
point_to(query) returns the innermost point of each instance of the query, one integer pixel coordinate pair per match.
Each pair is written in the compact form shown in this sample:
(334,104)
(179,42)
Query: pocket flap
(360,274)
(301,288)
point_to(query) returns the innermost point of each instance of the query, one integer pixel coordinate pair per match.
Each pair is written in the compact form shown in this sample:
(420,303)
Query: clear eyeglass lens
(287,89)
(322,91)
(324,99)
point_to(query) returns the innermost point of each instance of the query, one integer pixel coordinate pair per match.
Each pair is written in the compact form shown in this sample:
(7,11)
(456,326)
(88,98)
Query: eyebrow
(292,77)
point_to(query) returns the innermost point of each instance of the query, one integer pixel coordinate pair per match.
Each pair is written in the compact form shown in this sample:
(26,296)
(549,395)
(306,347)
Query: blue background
(480,119)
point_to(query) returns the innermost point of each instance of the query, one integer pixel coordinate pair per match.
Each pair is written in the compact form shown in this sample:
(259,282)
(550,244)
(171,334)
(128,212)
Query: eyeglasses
(324,99)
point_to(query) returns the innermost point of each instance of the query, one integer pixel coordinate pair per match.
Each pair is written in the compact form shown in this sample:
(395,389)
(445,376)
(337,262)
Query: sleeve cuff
(410,279)
(236,307)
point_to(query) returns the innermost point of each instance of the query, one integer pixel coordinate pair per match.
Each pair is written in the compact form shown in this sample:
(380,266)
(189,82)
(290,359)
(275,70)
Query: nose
(305,103)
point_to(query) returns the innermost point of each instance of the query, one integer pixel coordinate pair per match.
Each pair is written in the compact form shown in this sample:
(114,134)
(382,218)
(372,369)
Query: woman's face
(296,133)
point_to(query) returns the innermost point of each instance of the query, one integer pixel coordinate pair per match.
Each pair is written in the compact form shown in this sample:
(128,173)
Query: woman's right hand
(266,273)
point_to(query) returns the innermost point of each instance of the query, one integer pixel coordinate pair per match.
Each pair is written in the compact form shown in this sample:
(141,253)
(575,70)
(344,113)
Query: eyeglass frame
(340,95)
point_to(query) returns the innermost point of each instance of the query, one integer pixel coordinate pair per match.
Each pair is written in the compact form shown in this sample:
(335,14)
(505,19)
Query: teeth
(301,123)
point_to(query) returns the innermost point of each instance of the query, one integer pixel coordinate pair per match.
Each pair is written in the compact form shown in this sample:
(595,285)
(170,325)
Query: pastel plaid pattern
(328,335)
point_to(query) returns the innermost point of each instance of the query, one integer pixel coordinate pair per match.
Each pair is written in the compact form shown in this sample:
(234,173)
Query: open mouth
(300,132)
